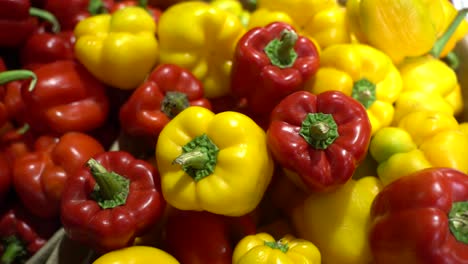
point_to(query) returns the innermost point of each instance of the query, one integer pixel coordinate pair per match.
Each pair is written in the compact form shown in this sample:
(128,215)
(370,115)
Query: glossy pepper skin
(39,176)
(168,90)
(154,11)
(319,139)
(136,255)
(66,98)
(325,220)
(262,248)
(112,200)
(363,72)
(119,49)
(425,228)
(201,237)
(16,24)
(270,63)
(205,45)
(69,13)
(211,162)
(22,234)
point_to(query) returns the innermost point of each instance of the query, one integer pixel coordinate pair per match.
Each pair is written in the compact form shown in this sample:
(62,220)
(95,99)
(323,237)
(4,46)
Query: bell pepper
(421,218)
(16,23)
(341,233)
(39,176)
(218,163)
(270,63)
(363,72)
(153,11)
(202,38)
(262,248)
(69,13)
(455,99)
(324,21)
(167,90)
(106,45)
(136,255)
(422,140)
(201,237)
(111,200)
(65,98)
(21,234)
(235,7)
(261,17)
(319,139)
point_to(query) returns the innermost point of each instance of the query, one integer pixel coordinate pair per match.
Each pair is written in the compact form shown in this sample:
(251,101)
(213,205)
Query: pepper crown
(458,221)
(13,250)
(173,103)
(364,92)
(284,247)
(319,130)
(281,51)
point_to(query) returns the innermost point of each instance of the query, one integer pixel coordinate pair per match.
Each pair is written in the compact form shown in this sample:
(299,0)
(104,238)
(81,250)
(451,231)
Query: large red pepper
(70,12)
(168,90)
(422,218)
(270,63)
(113,200)
(39,177)
(319,139)
(22,234)
(66,98)
(201,237)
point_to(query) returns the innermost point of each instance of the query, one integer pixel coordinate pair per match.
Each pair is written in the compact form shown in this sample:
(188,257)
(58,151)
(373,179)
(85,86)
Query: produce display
(233,131)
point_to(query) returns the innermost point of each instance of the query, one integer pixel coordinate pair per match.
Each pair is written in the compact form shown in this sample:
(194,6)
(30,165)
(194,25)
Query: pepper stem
(143,3)
(96,7)
(47,16)
(452,60)
(319,130)
(198,158)
(458,221)
(111,189)
(364,92)
(14,75)
(281,51)
(442,41)
(173,103)
(284,247)
(13,249)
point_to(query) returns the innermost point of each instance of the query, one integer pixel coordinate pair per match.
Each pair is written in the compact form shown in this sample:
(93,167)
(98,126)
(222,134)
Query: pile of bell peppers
(234,131)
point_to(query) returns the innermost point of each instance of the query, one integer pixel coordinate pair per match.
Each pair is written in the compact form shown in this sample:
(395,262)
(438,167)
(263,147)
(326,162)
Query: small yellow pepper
(262,248)
(201,38)
(119,49)
(363,72)
(136,255)
(423,139)
(336,222)
(218,163)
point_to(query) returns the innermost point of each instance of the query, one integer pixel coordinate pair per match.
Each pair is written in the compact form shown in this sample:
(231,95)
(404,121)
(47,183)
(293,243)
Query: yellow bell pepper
(363,72)
(336,222)
(235,7)
(406,28)
(119,49)
(322,20)
(201,38)
(136,255)
(455,99)
(218,163)
(263,16)
(423,139)
(262,248)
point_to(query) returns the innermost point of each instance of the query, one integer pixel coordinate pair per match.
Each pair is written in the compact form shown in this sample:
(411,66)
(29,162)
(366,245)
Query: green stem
(14,75)
(195,159)
(23,129)
(96,7)
(49,17)
(442,41)
(13,249)
(143,3)
(319,130)
(458,221)
(452,60)
(173,103)
(281,51)
(277,245)
(111,189)
(364,92)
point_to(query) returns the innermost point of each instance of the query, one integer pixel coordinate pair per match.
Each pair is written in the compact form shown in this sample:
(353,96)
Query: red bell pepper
(154,12)
(66,98)
(421,218)
(319,139)
(22,235)
(194,237)
(113,200)
(270,63)
(168,90)
(39,176)
(70,12)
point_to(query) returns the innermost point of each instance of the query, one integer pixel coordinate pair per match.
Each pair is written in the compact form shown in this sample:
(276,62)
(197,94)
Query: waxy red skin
(319,170)
(104,230)
(16,25)
(409,220)
(263,84)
